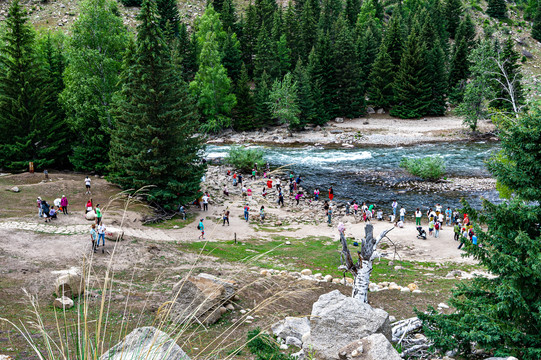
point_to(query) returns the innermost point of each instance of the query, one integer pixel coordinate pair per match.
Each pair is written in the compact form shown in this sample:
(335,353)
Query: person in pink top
(64,204)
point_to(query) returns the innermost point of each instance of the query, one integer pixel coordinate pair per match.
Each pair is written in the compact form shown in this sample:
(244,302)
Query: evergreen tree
(508,84)
(320,111)
(292,32)
(453,9)
(412,88)
(497,9)
(349,93)
(330,12)
(536,27)
(265,13)
(169,17)
(232,56)
(381,79)
(460,65)
(322,72)
(305,100)
(265,58)
(283,58)
(309,24)
(394,44)
(244,111)
(95,54)
(367,47)
(353,7)
(228,16)
(283,101)
(248,40)
(263,114)
(154,142)
(185,51)
(26,127)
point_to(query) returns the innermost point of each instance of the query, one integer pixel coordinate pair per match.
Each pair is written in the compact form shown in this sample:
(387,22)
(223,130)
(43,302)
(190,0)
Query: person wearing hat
(202,228)
(64,204)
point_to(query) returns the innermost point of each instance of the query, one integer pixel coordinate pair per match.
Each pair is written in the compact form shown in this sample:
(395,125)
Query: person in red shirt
(269,184)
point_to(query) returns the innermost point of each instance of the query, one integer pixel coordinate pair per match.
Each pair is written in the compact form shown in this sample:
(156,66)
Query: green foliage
(244,111)
(497,9)
(261,97)
(507,83)
(130,3)
(94,54)
(30,120)
(243,159)
(154,142)
(283,101)
(381,79)
(169,17)
(453,9)
(428,168)
(460,62)
(264,347)
(536,27)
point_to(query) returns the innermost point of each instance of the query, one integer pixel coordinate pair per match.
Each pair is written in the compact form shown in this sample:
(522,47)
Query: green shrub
(264,347)
(244,159)
(131,2)
(428,168)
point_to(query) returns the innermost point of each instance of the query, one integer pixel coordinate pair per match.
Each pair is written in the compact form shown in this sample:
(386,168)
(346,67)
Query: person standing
(431,226)
(395,206)
(89,206)
(278,184)
(235,179)
(473,238)
(64,204)
(441,219)
(348,205)
(331,193)
(98,214)
(329,215)
(418,215)
(101,235)
(253,174)
(355,207)
(240,179)
(205,202)
(456,229)
(262,214)
(246,212)
(298,197)
(316,194)
(402,214)
(463,238)
(202,228)
(46,173)
(93,236)
(448,215)
(226,217)
(40,209)
(280,198)
(437,226)
(45,210)
(87,184)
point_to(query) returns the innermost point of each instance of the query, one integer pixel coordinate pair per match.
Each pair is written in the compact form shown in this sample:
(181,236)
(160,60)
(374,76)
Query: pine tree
(244,111)
(453,9)
(185,49)
(283,58)
(412,89)
(305,100)
(292,32)
(497,9)
(309,25)
(349,93)
(265,58)
(330,12)
(509,72)
(263,115)
(26,127)
(228,16)
(381,79)
(353,7)
(394,42)
(95,53)
(169,17)
(248,40)
(460,65)
(368,43)
(232,56)
(536,28)
(154,142)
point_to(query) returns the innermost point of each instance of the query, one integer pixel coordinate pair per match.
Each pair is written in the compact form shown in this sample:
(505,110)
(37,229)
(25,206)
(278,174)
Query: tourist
(64,204)
(240,179)
(262,214)
(430,226)
(348,205)
(45,209)
(87,184)
(329,215)
(355,207)
(326,206)
(456,230)
(291,176)
(269,183)
(243,192)
(89,206)
(291,188)
(402,213)
(331,193)
(430,214)
(463,237)
(235,179)
(182,211)
(205,199)
(246,212)
(437,226)
(52,214)
(438,209)
(298,180)
(448,215)
(46,173)
(226,191)
(298,197)
(201,227)
(278,184)
(226,217)
(264,192)
(101,235)
(249,194)
(316,194)
(98,214)
(473,238)
(280,199)
(395,206)
(93,236)
(380,215)
(40,209)
(441,219)
(418,215)
(268,166)
(253,174)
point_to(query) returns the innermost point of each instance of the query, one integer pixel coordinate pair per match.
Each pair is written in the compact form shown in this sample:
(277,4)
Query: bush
(428,168)
(130,3)
(244,159)
(264,347)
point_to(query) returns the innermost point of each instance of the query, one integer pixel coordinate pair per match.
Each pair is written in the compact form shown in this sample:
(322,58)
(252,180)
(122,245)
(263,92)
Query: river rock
(370,110)
(291,327)
(290,340)
(527,54)
(413,287)
(91,215)
(198,297)
(338,320)
(381,111)
(14,189)
(69,283)
(63,302)
(373,347)
(146,343)
(306,272)
(328,278)
(339,120)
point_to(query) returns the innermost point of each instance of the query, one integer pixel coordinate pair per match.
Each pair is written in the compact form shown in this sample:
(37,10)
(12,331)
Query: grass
(174,223)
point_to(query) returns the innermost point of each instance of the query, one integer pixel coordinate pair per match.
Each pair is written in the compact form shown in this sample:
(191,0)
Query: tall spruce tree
(305,99)
(26,127)
(169,17)
(497,9)
(412,86)
(322,72)
(244,111)
(353,7)
(248,39)
(536,27)
(460,64)
(453,9)
(394,42)
(309,25)
(95,53)
(185,51)
(369,39)
(263,114)
(232,56)
(381,79)
(265,56)
(228,16)
(154,142)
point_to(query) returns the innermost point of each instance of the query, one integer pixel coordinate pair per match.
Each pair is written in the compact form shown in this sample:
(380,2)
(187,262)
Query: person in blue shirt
(448,215)
(202,228)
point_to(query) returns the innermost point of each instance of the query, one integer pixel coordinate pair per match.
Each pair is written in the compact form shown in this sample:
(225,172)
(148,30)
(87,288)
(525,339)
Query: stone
(527,54)
(290,340)
(306,272)
(249,317)
(200,297)
(230,307)
(288,242)
(291,327)
(63,302)
(328,278)
(370,110)
(299,355)
(264,272)
(338,320)
(394,286)
(405,289)
(223,310)
(229,285)
(284,347)
(413,287)
(69,284)
(336,280)
(339,120)
(349,280)
(443,306)
(372,347)
(14,189)
(146,343)
(91,215)
(381,111)
(318,276)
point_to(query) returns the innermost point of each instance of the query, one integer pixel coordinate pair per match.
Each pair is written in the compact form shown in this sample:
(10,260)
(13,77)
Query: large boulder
(146,343)
(229,285)
(373,347)
(91,215)
(63,302)
(201,298)
(291,327)
(69,283)
(338,320)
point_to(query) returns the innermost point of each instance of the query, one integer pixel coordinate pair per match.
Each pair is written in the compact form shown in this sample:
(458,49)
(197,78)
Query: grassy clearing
(174,223)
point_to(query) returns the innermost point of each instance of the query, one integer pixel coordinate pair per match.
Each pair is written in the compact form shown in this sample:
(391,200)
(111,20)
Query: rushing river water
(350,171)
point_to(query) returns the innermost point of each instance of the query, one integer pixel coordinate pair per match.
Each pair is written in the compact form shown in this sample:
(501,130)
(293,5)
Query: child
(316,194)
(202,228)
(246,212)
(93,236)
(431,226)
(88,206)
(52,214)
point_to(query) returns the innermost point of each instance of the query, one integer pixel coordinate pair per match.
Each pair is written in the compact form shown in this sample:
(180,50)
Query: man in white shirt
(418,215)
(402,213)
(87,184)
(205,202)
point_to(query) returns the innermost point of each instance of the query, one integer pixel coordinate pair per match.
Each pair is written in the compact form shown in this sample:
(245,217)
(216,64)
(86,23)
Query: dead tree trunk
(362,269)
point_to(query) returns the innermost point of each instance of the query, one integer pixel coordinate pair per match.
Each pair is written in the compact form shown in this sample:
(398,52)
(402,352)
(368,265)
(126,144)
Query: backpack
(437,225)
(198,227)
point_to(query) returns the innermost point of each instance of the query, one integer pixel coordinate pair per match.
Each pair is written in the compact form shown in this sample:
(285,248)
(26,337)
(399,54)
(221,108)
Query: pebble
(443,306)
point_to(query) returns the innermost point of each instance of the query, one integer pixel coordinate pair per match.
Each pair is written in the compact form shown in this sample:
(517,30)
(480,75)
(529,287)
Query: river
(352,172)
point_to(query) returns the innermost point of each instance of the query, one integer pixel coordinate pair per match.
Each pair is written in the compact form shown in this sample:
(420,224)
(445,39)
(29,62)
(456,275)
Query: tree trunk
(362,270)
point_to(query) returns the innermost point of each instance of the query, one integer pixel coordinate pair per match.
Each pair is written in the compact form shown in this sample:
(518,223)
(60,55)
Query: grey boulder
(373,347)
(291,327)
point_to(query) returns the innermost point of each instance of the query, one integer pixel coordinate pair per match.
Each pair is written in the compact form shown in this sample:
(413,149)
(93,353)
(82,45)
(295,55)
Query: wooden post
(235,238)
